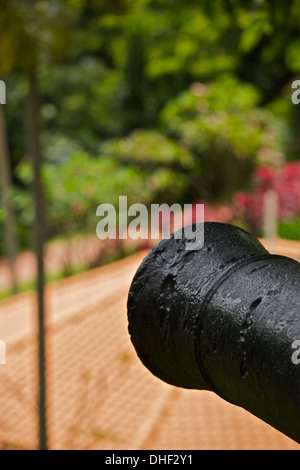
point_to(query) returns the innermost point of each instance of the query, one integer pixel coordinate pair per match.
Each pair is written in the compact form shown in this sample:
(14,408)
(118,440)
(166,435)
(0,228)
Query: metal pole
(38,193)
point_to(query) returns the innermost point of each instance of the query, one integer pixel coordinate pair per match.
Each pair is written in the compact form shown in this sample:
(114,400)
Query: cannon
(224,318)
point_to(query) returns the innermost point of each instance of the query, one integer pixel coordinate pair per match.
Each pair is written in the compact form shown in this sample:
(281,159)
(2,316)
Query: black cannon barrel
(224,318)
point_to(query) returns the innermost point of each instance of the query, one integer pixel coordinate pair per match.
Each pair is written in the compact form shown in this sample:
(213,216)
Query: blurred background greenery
(160,100)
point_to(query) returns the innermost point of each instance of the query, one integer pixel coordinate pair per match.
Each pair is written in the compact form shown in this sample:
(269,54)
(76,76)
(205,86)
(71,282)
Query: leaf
(292,56)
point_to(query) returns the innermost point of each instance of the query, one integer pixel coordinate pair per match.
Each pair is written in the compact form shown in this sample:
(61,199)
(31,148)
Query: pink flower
(285,181)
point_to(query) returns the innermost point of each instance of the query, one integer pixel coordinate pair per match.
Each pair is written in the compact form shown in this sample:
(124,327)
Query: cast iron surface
(222,318)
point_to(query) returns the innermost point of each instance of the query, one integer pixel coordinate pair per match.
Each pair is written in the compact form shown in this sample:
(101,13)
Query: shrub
(285,181)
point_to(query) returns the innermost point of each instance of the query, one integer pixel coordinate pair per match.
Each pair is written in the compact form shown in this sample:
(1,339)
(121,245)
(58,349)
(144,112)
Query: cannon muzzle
(224,318)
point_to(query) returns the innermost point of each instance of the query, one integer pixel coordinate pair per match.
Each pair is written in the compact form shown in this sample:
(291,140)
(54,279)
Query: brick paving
(100,396)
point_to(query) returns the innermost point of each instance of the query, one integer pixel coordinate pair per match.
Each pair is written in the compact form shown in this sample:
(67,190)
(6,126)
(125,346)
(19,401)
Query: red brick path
(100,396)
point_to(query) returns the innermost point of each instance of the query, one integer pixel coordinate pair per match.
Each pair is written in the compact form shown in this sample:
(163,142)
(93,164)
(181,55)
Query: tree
(10,227)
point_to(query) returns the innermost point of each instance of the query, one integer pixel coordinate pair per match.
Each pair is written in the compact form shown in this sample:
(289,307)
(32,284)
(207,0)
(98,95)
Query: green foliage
(290,229)
(149,149)
(158,100)
(81,103)
(30,29)
(223,127)
(83,182)
(77,185)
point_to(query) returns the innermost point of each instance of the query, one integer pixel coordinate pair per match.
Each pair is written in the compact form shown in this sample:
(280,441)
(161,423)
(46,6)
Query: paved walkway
(100,396)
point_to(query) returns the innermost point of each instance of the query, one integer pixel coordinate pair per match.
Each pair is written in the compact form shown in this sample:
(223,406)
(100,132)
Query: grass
(31,285)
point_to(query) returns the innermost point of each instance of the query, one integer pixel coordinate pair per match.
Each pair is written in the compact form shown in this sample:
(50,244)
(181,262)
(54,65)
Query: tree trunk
(38,194)
(10,235)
